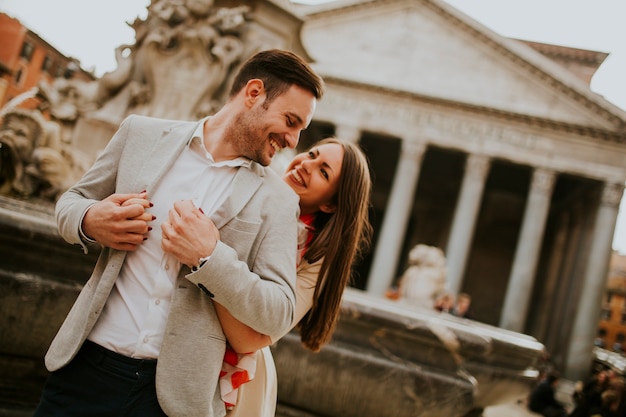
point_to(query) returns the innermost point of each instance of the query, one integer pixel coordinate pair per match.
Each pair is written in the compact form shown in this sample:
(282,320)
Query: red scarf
(308,220)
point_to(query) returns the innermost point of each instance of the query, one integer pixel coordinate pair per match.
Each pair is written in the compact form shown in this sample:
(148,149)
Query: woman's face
(314,176)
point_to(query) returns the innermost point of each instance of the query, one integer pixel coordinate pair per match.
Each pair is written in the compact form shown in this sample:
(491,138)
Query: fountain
(385,359)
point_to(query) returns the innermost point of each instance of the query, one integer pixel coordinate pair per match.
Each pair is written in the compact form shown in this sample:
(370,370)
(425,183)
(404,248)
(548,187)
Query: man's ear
(328,208)
(254,91)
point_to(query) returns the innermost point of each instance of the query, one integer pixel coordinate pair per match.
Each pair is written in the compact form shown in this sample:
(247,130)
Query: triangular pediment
(425,47)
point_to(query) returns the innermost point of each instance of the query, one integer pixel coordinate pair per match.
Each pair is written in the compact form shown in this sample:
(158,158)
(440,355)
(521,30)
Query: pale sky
(90,30)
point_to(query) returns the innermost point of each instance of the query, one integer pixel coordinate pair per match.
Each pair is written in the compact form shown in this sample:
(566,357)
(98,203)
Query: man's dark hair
(278,70)
(553,376)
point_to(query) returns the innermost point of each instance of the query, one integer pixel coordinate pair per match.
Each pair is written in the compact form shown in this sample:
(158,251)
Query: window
(618,346)
(606,314)
(47,64)
(601,338)
(18,75)
(27,51)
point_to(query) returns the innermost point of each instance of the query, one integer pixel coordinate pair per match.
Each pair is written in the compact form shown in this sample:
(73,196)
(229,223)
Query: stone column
(516,301)
(348,133)
(396,219)
(579,354)
(464,222)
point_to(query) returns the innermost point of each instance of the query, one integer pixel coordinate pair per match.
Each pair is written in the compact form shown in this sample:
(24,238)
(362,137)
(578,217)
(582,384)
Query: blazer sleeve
(95,185)
(258,291)
(117,168)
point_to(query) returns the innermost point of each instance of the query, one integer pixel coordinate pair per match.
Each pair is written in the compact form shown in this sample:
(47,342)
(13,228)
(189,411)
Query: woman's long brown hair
(340,239)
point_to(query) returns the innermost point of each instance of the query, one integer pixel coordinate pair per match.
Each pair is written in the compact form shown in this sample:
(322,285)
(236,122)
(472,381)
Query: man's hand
(188,234)
(120,221)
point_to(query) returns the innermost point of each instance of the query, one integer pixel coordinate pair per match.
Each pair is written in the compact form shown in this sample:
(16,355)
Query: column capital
(413,149)
(477,166)
(612,194)
(543,180)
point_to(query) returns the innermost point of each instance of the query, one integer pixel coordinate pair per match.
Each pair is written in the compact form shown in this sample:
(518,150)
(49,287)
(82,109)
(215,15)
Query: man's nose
(292,138)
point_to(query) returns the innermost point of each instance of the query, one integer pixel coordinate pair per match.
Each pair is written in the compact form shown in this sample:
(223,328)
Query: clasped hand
(121,222)
(188,234)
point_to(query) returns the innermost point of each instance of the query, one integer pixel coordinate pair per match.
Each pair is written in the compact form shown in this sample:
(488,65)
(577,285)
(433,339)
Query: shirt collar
(196,143)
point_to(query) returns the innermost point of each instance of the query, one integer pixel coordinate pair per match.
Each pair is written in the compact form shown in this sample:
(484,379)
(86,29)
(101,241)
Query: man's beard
(246,136)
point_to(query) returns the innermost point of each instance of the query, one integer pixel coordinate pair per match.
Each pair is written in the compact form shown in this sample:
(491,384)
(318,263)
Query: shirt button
(145,339)
(167,267)
(157,302)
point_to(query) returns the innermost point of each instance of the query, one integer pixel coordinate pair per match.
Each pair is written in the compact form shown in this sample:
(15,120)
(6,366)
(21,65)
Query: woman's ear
(328,208)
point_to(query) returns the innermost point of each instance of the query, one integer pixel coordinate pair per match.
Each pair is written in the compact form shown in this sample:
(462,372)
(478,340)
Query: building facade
(493,149)
(612,327)
(26,60)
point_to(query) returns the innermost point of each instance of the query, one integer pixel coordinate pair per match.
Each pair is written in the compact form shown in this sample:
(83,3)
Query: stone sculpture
(406,362)
(33,160)
(68,98)
(193,39)
(425,278)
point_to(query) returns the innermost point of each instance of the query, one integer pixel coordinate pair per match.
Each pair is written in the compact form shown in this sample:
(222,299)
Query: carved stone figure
(177,69)
(33,160)
(69,99)
(425,278)
(19,135)
(193,40)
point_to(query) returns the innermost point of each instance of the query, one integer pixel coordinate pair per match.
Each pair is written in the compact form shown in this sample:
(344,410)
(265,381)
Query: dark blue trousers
(101,383)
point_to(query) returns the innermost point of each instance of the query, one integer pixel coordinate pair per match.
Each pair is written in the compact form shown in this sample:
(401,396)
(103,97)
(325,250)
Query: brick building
(26,59)
(612,326)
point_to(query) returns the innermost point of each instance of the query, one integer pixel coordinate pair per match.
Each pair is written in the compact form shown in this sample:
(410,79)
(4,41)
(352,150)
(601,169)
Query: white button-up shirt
(133,321)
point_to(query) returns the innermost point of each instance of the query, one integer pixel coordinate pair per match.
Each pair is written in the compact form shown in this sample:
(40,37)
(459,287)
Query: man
(543,400)
(462,308)
(143,338)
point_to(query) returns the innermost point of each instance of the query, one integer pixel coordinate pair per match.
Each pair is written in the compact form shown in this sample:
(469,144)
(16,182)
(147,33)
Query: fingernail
(200,208)
(145,238)
(151,205)
(149,228)
(153,217)
(141,192)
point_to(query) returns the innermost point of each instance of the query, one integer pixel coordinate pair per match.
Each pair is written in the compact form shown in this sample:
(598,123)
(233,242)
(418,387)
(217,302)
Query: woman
(333,182)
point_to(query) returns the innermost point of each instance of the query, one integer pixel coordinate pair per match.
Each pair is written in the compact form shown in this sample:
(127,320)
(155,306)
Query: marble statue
(34,162)
(68,98)
(178,68)
(182,55)
(425,278)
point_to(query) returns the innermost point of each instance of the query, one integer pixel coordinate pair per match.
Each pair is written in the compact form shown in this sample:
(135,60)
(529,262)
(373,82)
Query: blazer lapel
(164,150)
(163,153)
(245,184)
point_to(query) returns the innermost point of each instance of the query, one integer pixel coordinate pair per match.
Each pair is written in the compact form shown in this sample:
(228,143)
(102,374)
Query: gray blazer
(251,272)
